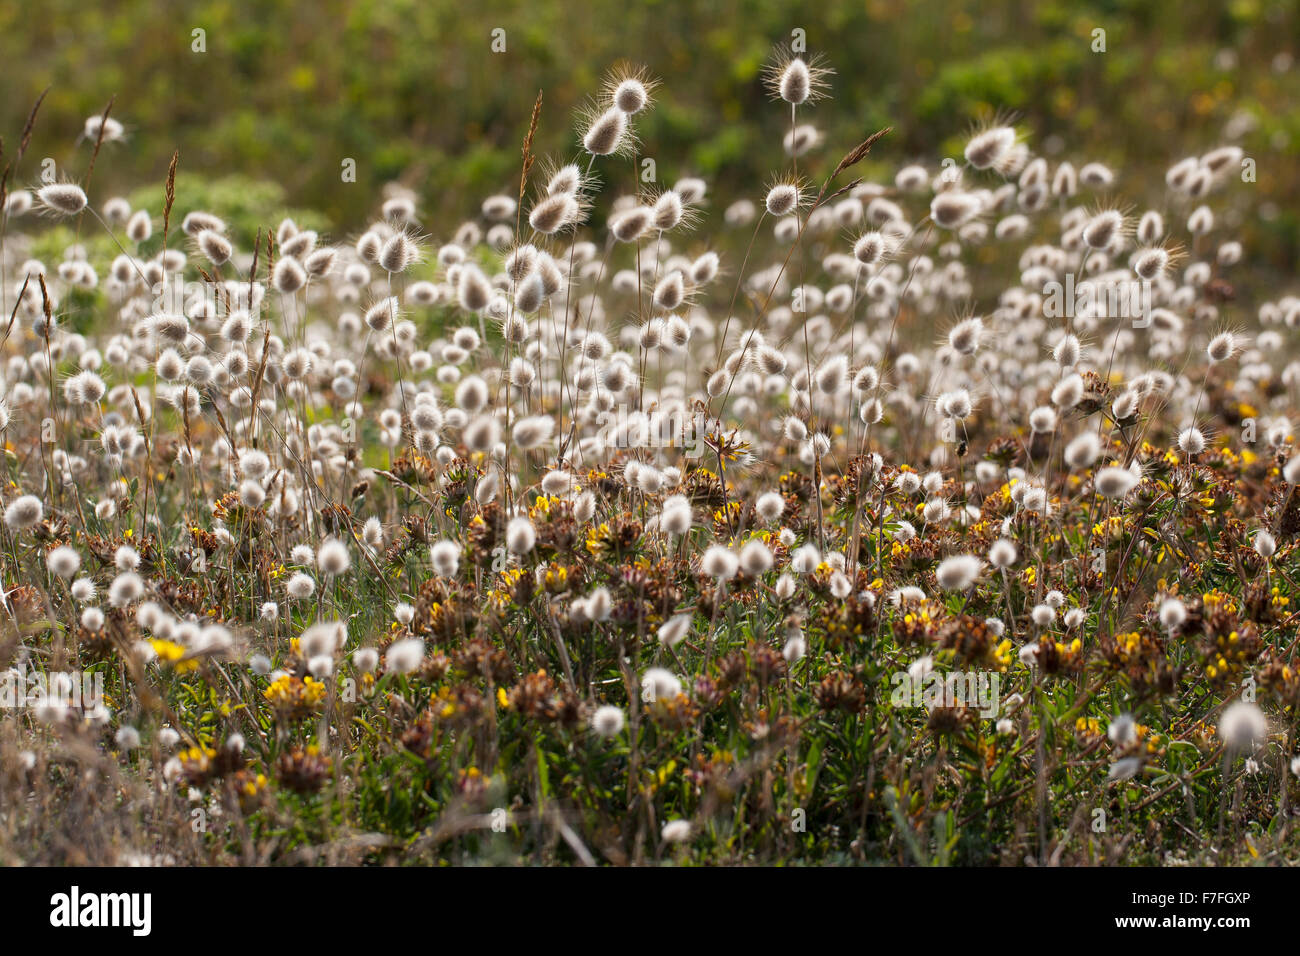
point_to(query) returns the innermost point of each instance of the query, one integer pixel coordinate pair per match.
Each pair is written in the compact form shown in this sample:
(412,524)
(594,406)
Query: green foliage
(412,90)
(245,204)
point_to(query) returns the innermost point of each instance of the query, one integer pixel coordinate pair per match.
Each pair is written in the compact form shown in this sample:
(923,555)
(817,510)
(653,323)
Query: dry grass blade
(859,152)
(26,138)
(847,187)
(22,148)
(528,158)
(99,141)
(252,269)
(13,315)
(46,306)
(169,195)
(527,150)
(221,290)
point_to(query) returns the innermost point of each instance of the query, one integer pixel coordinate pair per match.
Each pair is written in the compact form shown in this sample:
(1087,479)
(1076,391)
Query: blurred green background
(411,89)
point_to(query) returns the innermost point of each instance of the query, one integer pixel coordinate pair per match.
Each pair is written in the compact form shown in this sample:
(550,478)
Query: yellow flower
(294,697)
(597,539)
(1002,654)
(172,653)
(557,578)
(252,786)
(542,506)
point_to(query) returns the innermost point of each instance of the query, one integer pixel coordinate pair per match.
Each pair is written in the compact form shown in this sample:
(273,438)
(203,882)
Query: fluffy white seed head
(23,512)
(62,199)
(1115,482)
(606,132)
(1291,471)
(446,558)
(63,562)
(1264,543)
(1172,613)
(608,720)
(958,572)
(674,630)
(719,562)
(1002,553)
(675,518)
(333,559)
(755,558)
(521,536)
(782,199)
(404,656)
(1221,347)
(1243,726)
(1191,440)
(1083,451)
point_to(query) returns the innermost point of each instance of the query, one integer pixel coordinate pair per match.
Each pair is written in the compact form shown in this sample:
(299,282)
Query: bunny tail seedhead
(796,78)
